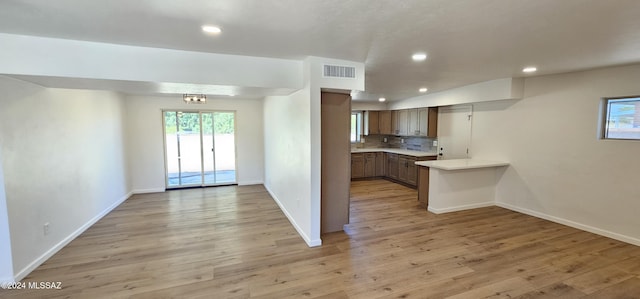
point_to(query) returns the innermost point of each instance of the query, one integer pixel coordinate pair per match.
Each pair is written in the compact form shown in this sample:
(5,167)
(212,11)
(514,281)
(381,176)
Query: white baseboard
(310,243)
(460,208)
(245,183)
(573,224)
(151,190)
(53,250)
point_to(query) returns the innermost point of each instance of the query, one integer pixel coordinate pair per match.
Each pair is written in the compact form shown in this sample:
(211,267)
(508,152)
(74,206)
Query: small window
(356,126)
(622,118)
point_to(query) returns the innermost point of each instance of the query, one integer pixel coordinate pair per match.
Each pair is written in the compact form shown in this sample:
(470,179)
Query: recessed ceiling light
(419,56)
(232,95)
(529,69)
(211,29)
(423,89)
(382,99)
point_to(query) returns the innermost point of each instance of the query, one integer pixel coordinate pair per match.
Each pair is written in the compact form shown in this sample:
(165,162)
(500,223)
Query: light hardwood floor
(234,242)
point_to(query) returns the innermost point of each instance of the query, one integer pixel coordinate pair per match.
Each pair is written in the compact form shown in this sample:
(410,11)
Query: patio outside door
(199,148)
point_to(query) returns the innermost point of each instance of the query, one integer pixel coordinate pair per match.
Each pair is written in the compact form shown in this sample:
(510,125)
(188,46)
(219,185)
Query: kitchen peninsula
(458,184)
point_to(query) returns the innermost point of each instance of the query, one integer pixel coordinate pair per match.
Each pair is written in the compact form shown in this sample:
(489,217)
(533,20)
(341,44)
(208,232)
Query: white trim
(460,208)
(256,182)
(49,253)
(580,226)
(310,243)
(151,190)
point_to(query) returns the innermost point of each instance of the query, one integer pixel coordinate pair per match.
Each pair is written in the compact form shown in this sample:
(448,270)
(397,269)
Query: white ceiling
(467,41)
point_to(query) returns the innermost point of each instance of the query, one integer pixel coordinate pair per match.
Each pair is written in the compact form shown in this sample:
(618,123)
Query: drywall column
(6,261)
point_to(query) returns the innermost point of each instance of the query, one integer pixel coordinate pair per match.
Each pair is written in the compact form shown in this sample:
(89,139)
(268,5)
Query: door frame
(164,149)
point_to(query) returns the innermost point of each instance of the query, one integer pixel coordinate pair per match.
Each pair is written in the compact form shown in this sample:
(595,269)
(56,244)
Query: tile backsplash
(405,142)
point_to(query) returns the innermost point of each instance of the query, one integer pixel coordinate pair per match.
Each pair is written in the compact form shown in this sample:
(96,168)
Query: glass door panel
(208,152)
(171,148)
(199,148)
(225,148)
(189,148)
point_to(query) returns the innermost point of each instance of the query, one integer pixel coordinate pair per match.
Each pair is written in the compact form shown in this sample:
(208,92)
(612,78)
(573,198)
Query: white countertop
(394,151)
(457,164)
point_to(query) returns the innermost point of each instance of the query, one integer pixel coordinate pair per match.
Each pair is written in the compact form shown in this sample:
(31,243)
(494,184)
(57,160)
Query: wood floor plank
(235,242)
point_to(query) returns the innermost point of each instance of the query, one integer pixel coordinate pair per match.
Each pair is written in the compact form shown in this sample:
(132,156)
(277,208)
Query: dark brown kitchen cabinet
(369,165)
(357,166)
(392,165)
(384,122)
(381,164)
(396,167)
(371,121)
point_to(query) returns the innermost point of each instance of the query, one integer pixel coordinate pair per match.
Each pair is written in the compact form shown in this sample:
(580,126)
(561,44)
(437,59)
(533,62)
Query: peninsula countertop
(458,164)
(395,151)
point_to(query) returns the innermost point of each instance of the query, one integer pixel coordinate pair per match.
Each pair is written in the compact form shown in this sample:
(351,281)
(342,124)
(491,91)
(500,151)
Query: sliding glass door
(199,148)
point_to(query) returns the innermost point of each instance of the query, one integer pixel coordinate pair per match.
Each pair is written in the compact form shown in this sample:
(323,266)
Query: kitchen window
(356,126)
(621,118)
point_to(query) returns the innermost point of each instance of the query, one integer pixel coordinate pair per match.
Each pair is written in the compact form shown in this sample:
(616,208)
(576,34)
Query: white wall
(559,169)
(6,260)
(292,126)
(288,158)
(146,147)
(64,163)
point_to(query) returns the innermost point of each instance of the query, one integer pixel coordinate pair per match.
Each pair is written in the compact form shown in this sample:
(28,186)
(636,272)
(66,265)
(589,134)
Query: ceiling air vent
(336,71)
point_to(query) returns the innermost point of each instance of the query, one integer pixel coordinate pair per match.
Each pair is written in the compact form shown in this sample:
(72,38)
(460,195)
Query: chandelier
(194,98)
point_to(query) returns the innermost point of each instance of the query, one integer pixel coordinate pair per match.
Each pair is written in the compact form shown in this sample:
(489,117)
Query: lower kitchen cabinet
(381,164)
(357,166)
(369,165)
(392,166)
(396,167)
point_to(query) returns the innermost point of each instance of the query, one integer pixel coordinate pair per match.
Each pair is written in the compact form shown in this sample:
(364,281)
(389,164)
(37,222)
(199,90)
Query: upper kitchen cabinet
(401,125)
(371,122)
(384,122)
(432,122)
(423,122)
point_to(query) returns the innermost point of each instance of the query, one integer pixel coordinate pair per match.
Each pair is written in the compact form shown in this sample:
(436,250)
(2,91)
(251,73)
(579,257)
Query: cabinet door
(403,122)
(412,171)
(380,164)
(371,120)
(395,130)
(423,121)
(357,166)
(402,168)
(384,122)
(413,126)
(432,127)
(369,165)
(392,166)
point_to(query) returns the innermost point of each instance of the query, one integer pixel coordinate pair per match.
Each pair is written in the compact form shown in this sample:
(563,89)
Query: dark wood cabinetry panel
(357,166)
(392,165)
(381,164)
(369,165)
(384,122)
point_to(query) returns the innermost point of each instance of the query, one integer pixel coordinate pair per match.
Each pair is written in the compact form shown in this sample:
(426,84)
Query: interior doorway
(199,148)
(454,132)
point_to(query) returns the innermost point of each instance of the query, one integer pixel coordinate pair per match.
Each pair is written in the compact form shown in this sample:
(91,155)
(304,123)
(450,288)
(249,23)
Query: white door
(454,131)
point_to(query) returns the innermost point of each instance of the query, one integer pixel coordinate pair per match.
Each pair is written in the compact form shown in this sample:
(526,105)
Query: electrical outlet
(435,143)
(401,140)
(46,228)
